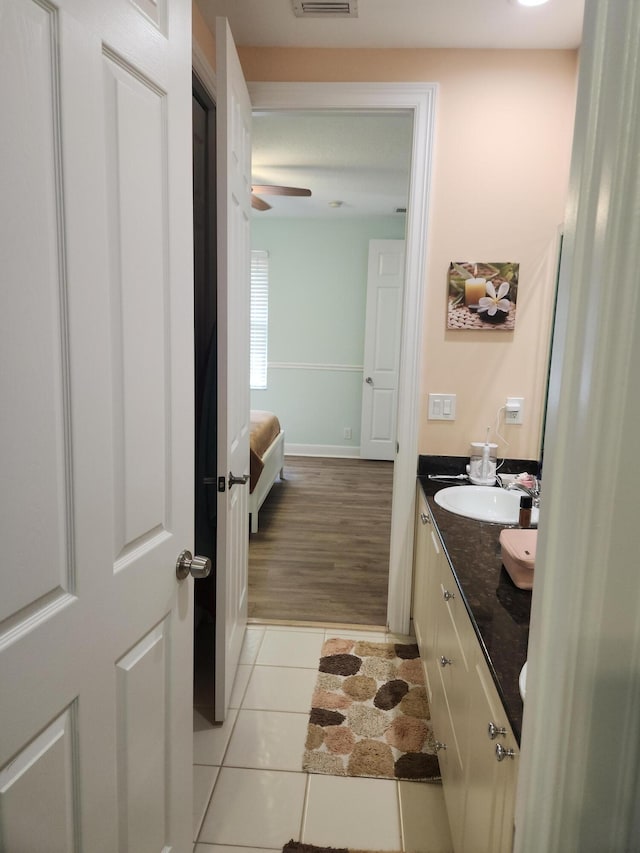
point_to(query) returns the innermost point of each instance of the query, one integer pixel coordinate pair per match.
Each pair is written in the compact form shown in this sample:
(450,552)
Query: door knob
(197,567)
(237,481)
(369,380)
(493,731)
(502,753)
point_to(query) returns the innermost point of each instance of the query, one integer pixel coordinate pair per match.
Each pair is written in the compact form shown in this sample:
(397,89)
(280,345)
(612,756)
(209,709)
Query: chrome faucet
(533,492)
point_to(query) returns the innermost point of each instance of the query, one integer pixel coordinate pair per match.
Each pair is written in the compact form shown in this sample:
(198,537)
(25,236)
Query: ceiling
(362,160)
(405,23)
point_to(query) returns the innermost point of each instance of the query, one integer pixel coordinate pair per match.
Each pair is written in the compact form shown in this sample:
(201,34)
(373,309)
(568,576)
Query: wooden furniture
(273,467)
(477,750)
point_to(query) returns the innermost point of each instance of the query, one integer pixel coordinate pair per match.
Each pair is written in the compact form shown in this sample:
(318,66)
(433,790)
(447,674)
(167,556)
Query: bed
(266,459)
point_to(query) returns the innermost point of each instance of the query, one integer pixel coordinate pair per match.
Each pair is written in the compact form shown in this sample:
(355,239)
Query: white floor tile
(425,828)
(224,848)
(290,648)
(251,644)
(210,741)
(243,674)
(273,688)
(270,740)
(259,808)
(204,778)
(367,636)
(352,812)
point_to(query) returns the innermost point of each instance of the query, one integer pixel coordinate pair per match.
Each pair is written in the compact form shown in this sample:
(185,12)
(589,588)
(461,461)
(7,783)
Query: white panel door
(383,333)
(233,112)
(96,350)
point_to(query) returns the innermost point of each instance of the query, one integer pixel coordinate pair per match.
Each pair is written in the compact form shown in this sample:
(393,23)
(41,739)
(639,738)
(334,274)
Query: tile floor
(250,794)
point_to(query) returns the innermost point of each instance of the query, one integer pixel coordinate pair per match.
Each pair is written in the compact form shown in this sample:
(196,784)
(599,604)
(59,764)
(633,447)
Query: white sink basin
(484,503)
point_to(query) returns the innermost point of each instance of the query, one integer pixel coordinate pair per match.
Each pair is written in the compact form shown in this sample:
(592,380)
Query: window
(259,318)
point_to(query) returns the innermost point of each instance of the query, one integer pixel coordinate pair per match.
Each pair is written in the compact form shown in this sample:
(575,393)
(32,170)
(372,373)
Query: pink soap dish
(518,550)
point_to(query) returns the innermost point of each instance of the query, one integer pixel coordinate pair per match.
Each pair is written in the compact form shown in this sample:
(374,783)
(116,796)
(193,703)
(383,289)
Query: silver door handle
(237,481)
(369,380)
(197,567)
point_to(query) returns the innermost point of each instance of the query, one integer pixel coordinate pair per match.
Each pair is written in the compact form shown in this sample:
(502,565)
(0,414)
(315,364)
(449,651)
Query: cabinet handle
(493,731)
(445,661)
(448,595)
(502,753)
(424,518)
(440,746)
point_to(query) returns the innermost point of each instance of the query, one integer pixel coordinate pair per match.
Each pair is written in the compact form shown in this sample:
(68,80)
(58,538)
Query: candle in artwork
(474,288)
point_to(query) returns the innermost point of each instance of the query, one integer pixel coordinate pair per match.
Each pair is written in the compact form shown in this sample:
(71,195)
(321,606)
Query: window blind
(259,318)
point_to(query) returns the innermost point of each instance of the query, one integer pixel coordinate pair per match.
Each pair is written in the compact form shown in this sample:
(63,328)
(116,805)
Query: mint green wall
(317,301)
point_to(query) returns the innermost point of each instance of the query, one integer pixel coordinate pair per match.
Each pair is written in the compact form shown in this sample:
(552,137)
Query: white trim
(292,365)
(335,450)
(420,98)
(203,70)
(579,785)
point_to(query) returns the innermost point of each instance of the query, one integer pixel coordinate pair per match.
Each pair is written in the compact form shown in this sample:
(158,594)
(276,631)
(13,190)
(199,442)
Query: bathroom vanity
(472,625)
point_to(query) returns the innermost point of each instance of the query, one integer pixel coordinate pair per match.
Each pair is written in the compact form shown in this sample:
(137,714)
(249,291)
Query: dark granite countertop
(499,610)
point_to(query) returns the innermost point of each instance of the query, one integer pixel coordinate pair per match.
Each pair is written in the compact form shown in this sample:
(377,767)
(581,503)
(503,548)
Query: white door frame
(420,98)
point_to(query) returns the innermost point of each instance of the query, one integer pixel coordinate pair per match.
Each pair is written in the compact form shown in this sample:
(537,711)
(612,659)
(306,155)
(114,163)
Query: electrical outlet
(347,433)
(514,410)
(442,407)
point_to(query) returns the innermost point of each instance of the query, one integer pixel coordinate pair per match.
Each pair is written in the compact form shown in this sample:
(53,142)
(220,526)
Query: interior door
(383,333)
(96,429)
(233,112)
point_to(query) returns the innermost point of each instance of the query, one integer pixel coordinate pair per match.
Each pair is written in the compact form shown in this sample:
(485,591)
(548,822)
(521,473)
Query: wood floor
(321,553)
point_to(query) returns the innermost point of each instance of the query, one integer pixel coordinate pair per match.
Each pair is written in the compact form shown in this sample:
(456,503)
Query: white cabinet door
(383,331)
(96,354)
(234,253)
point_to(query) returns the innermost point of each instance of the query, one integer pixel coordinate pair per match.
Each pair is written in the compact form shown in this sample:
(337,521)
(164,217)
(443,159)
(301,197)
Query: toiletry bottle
(526,502)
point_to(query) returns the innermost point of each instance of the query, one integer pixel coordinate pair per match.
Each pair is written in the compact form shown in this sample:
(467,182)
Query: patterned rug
(299,847)
(370,714)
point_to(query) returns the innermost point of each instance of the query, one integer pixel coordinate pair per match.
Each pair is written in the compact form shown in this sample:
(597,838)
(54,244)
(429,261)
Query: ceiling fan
(270,189)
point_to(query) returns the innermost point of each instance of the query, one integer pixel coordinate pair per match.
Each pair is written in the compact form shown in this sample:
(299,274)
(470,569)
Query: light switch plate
(442,407)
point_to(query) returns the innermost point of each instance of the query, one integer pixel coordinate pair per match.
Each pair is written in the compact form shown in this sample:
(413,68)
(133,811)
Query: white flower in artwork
(494,302)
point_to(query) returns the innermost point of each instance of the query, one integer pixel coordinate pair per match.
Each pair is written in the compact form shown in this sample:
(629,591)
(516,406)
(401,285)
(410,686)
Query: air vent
(325,8)
(401,209)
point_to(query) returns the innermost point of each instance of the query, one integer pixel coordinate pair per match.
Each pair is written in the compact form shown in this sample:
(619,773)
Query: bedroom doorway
(269,96)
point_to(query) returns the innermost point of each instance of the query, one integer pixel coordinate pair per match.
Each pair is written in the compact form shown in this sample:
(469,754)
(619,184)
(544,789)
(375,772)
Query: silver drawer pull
(448,595)
(440,746)
(493,731)
(445,661)
(424,518)
(502,753)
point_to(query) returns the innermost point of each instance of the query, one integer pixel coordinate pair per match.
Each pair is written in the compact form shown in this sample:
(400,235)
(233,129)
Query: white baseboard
(321,450)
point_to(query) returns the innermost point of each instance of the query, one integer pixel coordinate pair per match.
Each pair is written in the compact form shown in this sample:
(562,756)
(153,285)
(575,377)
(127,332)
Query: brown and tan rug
(299,847)
(370,714)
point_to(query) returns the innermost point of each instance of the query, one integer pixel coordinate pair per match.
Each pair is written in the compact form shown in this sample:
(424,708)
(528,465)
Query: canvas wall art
(482,295)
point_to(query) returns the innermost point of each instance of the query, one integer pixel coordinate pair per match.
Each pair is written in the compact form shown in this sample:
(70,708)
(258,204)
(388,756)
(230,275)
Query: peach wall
(503,137)
(203,36)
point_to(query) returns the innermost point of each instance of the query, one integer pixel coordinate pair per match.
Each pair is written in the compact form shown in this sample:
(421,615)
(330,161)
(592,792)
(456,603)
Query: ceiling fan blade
(271,189)
(258,203)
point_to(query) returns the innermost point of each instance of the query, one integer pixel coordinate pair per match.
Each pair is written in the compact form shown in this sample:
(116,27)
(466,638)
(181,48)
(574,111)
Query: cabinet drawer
(492,768)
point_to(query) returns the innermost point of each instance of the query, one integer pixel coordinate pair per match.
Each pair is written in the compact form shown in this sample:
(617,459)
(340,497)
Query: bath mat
(370,714)
(299,847)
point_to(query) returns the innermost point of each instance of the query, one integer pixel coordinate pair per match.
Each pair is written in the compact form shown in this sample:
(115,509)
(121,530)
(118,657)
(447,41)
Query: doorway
(420,100)
(335,275)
